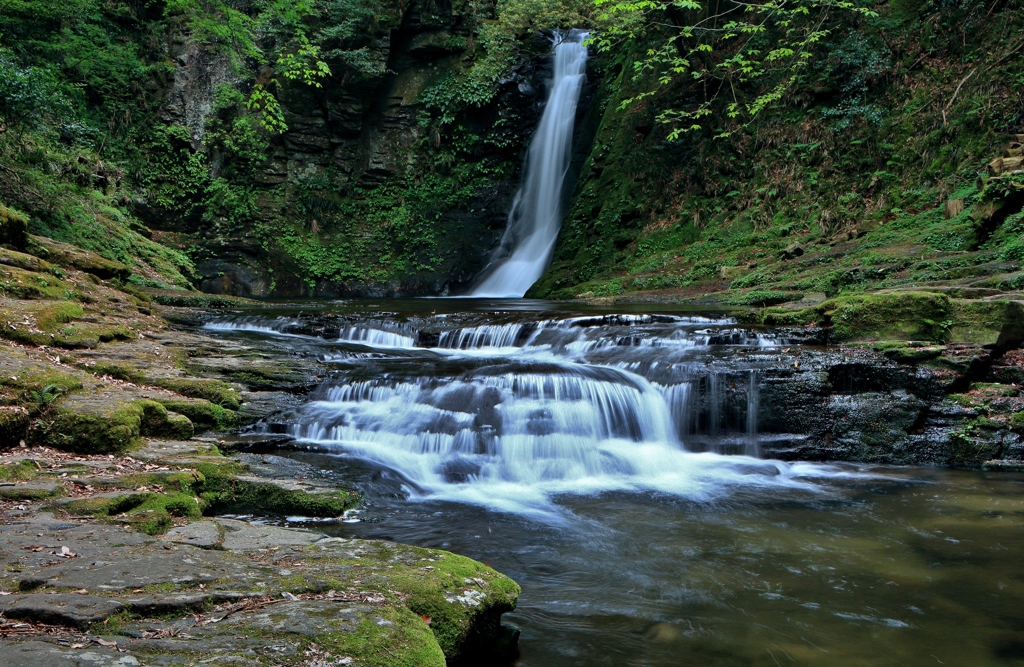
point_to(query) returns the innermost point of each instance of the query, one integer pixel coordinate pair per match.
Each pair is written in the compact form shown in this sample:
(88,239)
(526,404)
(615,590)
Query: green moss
(18,283)
(116,371)
(72,257)
(22,471)
(1017,422)
(879,316)
(999,323)
(35,379)
(150,513)
(217,392)
(909,352)
(202,413)
(113,430)
(763,298)
(225,492)
(452,577)
(13,225)
(397,637)
(23,493)
(91,426)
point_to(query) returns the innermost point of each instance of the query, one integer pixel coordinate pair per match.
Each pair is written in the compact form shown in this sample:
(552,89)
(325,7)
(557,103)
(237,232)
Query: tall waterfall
(536,214)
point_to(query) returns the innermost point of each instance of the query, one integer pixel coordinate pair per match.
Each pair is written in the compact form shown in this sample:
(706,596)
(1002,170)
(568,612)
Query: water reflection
(909,567)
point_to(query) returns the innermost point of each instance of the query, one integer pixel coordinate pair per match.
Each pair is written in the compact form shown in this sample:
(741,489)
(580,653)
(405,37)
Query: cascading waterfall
(536,216)
(511,414)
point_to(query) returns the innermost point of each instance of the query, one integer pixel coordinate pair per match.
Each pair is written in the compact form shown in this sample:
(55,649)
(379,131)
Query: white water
(514,415)
(536,214)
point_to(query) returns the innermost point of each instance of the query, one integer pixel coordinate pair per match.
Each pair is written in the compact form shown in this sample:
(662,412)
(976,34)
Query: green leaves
(745,55)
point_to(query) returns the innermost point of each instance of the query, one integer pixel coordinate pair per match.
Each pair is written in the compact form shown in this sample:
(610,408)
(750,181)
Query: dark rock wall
(852,404)
(365,137)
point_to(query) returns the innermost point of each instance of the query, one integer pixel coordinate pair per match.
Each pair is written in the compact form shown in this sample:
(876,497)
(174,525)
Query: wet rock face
(362,133)
(856,405)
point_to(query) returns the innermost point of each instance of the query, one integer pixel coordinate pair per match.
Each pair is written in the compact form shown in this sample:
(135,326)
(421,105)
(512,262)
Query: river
(609,463)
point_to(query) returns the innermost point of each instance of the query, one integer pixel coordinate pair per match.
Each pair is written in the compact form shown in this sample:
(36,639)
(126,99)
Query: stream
(609,462)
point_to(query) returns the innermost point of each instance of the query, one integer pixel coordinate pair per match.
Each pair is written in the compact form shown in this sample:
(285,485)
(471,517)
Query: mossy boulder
(96,423)
(909,352)
(228,486)
(999,323)
(13,226)
(201,412)
(903,316)
(218,392)
(460,599)
(14,421)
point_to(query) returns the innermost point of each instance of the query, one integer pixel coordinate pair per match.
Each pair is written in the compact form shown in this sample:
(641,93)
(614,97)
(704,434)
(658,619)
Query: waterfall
(511,412)
(536,216)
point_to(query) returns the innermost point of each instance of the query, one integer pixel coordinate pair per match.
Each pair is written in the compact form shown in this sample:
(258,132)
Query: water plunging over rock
(536,214)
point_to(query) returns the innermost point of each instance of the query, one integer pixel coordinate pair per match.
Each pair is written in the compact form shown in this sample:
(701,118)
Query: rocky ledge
(84,584)
(114,491)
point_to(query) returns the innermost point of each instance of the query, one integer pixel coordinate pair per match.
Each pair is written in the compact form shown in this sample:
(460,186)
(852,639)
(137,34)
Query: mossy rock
(95,424)
(37,379)
(26,262)
(461,599)
(396,638)
(73,257)
(150,513)
(59,324)
(218,392)
(14,422)
(201,412)
(1016,422)
(19,283)
(21,471)
(925,316)
(880,316)
(13,226)
(32,491)
(909,352)
(999,323)
(223,489)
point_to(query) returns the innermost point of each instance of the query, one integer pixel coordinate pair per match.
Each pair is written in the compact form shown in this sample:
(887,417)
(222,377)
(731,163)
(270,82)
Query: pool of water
(899,566)
(608,462)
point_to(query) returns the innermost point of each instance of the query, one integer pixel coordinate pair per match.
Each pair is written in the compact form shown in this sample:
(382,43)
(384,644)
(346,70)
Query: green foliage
(31,97)
(501,42)
(746,56)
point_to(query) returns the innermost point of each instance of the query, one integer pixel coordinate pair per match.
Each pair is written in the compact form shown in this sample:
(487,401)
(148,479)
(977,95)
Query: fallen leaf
(104,642)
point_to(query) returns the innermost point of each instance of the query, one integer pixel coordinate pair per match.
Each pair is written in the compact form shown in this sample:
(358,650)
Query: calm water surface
(530,449)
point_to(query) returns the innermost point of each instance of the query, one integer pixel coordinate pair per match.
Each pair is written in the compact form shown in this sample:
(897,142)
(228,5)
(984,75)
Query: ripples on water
(608,464)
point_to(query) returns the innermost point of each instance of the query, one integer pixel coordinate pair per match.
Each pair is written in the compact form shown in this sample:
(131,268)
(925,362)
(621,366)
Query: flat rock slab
(242,536)
(44,654)
(183,567)
(77,611)
(149,605)
(202,534)
(232,535)
(31,490)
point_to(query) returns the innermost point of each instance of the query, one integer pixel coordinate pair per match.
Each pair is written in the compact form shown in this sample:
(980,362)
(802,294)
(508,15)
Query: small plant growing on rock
(47,395)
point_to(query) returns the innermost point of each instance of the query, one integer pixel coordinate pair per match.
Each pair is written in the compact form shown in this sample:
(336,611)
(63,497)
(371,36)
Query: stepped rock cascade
(536,216)
(512,412)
